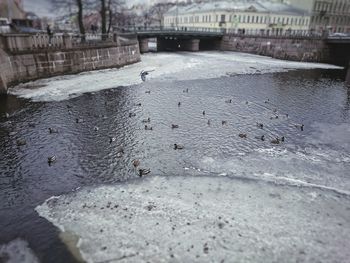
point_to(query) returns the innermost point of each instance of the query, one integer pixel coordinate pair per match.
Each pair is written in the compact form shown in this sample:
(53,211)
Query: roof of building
(260,6)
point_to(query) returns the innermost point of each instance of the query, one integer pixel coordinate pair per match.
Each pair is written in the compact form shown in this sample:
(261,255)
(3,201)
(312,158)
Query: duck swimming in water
(300,126)
(223,122)
(203,112)
(136,163)
(178,147)
(51,159)
(132,114)
(262,137)
(242,135)
(229,101)
(52,130)
(148,92)
(147,120)
(148,128)
(21,142)
(260,125)
(275,141)
(179,104)
(143,172)
(111,139)
(174,126)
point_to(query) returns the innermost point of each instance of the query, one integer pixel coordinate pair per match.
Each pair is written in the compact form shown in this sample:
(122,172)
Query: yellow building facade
(258,17)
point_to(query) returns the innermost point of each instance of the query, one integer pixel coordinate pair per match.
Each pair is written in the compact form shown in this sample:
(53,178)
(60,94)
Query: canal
(229,189)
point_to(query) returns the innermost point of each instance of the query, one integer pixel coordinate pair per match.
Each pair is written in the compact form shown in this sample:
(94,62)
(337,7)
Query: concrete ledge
(23,66)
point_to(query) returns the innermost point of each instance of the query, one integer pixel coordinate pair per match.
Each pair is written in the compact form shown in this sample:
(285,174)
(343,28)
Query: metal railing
(172,29)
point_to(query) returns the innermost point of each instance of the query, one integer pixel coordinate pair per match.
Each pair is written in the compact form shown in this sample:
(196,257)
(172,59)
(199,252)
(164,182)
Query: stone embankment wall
(22,66)
(297,49)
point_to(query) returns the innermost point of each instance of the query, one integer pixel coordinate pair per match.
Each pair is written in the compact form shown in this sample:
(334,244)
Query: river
(226,195)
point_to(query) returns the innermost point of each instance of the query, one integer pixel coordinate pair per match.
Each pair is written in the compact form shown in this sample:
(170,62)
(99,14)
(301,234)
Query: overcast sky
(42,7)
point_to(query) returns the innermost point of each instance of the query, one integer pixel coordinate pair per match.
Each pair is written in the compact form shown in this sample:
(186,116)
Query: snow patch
(203,219)
(166,66)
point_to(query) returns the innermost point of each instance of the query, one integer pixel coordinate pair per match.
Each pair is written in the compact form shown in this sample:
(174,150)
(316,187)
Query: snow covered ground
(204,219)
(166,66)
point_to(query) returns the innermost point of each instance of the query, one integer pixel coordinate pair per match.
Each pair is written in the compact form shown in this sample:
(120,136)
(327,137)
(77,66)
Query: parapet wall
(22,66)
(297,49)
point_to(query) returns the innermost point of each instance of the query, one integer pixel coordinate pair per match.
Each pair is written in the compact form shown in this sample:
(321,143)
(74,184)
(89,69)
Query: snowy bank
(204,219)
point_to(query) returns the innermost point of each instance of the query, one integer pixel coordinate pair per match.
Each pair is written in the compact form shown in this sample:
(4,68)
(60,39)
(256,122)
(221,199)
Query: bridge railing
(33,42)
(172,29)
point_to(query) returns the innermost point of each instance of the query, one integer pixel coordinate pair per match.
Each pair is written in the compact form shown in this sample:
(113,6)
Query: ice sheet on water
(17,251)
(204,219)
(166,66)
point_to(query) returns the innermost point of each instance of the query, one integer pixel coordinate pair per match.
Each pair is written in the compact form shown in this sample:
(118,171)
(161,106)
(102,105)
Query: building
(326,15)
(241,16)
(12,9)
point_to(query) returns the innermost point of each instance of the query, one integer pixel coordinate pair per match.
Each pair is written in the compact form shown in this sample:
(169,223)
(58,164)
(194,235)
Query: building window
(216,18)
(239,19)
(222,18)
(248,19)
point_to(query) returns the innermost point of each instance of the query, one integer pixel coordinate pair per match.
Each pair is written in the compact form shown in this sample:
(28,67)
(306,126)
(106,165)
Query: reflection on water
(318,156)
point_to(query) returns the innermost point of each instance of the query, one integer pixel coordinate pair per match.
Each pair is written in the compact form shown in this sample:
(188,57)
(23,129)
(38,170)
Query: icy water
(222,197)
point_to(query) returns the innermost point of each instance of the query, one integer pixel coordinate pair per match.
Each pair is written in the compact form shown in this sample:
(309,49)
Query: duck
(275,141)
(136,163)
(112,139)
(178,147)
(300,126)
(262,137)
(143,172)
(179,104)
(223,122)
(242,135)
(174,126)
(208,122)
(282,139)
(148,92)
(21,142)
(120,153)
(148,128)
(147,120)
(247,102)
(52,130)
(138,104)
(260,125)
(77,120)
(132,114)
(96,128)
(229,101)
(185,90)
(51,159)
(203,112)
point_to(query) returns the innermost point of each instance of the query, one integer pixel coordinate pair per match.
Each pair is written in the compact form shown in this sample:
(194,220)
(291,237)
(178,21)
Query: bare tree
(80,19)
(157,11)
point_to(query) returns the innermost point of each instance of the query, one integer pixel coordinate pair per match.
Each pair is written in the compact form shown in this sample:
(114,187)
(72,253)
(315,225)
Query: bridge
(178,39)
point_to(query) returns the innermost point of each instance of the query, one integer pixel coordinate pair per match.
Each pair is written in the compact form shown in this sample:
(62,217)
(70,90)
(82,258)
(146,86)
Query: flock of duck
(176,146)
